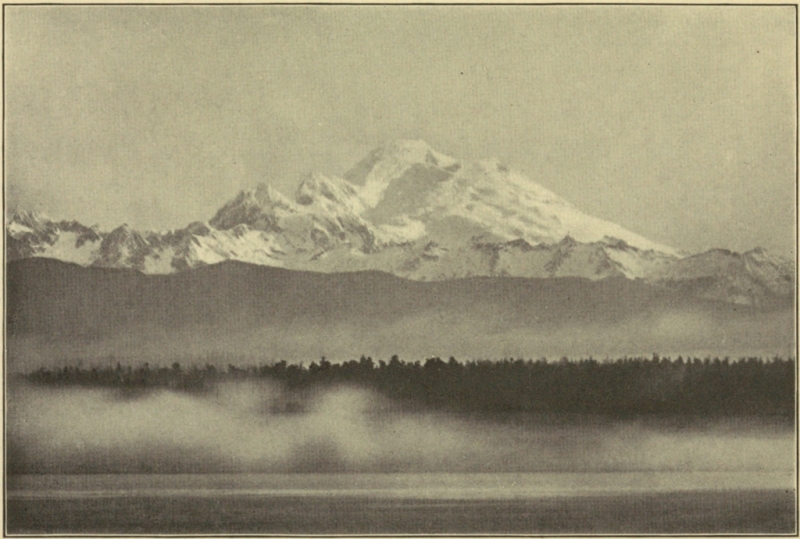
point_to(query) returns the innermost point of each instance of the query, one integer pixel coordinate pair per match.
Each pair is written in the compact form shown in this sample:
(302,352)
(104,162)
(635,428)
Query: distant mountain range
(410,211)
(59,313)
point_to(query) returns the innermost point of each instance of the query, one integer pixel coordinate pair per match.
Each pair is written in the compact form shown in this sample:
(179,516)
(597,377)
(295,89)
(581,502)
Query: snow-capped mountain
(30,234)
(411,211)
(744,278)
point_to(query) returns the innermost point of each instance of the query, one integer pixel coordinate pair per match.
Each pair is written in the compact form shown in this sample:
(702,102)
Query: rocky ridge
(413,212)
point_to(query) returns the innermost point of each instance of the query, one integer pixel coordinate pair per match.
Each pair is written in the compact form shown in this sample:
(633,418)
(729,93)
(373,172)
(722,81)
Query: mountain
(30,234)
(412,212)
(743,278)
(235,312)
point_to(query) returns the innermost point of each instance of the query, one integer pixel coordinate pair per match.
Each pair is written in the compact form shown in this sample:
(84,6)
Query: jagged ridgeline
(412,252)
(415,213)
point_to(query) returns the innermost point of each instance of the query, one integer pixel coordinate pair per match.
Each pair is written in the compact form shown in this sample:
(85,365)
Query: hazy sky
(675,122)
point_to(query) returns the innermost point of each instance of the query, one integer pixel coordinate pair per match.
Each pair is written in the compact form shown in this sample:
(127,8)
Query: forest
(626,387)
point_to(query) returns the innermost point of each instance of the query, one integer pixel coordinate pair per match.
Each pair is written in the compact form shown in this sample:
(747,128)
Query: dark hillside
(56,303)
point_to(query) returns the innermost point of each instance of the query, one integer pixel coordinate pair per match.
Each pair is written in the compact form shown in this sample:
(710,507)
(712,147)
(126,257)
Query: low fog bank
(247,426)
(480,334)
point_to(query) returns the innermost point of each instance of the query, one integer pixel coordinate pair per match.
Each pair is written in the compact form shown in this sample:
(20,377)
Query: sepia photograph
(385,269)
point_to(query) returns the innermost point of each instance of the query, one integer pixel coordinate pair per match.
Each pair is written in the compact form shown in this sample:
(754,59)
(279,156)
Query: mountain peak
(328,190)
(122,246)
(29,218)
(266,195)
(408,210)
(761,252)
(393,160)
(762,255)
(401,150)
(414,152)
(123,231)
(567,241)
(256,207)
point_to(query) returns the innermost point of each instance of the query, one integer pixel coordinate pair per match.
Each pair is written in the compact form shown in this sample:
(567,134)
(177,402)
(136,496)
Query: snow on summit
(404,209)
(376,172)
(407,183)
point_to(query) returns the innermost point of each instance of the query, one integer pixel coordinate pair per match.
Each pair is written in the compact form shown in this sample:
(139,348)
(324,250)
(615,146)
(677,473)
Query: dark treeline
(623,388)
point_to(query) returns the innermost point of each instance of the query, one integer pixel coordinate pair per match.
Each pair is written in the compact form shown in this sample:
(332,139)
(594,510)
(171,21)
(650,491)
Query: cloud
(246,427)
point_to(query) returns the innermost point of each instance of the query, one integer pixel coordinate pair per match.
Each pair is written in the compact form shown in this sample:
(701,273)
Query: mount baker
(413,212)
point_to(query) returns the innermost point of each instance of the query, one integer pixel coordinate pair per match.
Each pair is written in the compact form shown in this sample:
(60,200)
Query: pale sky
(676,122)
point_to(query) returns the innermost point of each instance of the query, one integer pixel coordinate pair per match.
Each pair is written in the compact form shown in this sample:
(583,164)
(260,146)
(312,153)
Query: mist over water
(486,334)
(258,426)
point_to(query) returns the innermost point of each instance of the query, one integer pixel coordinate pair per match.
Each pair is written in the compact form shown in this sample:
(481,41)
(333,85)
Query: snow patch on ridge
(411,211)
(16,229)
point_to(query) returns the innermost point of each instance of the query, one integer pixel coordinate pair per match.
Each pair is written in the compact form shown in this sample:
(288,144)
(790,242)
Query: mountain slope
(743,278)
(242,312)
(409,181)
(413,212)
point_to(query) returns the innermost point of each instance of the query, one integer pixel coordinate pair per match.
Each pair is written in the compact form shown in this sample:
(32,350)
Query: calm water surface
(392,485)
(457,503)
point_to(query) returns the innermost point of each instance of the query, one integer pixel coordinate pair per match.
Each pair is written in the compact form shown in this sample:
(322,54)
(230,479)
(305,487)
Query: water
(619,502)
(113,458)
(434,486)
